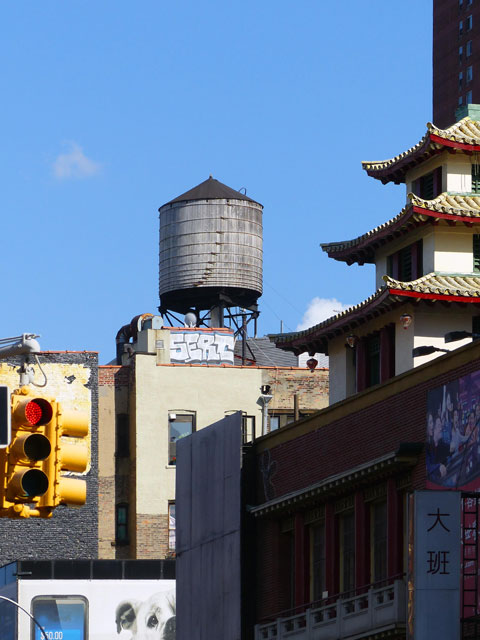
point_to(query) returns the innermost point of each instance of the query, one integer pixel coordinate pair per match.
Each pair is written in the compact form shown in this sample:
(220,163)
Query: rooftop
(211,189)
(434,286)
(463,135)
(450,207)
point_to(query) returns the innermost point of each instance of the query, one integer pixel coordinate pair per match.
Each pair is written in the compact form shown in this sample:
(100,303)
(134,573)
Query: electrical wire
(45,379)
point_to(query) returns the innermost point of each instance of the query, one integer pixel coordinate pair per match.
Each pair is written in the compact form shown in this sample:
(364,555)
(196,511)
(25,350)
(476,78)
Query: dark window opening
(379,541)
(476,328)
(407,263)
(122,432)
(475,178)
(476,253)
(317,561)
(179,426)
(248,428)
(347,546)
(373,359)
(121,524)
(430,185)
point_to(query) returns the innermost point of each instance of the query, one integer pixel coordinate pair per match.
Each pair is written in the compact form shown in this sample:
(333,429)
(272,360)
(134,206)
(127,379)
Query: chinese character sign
(436,580)
(452,435)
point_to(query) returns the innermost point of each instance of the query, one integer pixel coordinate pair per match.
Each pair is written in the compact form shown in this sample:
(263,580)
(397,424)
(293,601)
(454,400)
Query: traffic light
(46,441)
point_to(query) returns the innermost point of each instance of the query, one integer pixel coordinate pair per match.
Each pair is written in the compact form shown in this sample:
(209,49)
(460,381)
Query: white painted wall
(431,325)
(456,172)
(342,381)
(453,250)
(209,391)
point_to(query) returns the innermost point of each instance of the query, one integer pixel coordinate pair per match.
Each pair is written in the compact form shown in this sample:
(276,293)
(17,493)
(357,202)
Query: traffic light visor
(33,412)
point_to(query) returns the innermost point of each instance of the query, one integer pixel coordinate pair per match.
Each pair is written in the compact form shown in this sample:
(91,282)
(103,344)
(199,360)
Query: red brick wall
(331,448)
(109,375)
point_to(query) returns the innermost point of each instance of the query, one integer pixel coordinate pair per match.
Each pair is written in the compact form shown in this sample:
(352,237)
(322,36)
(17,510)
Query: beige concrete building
(173,381)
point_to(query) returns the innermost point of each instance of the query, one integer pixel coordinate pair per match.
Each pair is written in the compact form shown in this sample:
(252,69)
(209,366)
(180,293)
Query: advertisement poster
(452,435)
(97,609)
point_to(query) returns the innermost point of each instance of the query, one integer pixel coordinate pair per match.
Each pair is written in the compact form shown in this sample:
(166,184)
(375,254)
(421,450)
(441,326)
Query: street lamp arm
(28,614)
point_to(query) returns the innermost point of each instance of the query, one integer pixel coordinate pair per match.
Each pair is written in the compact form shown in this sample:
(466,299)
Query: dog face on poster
(152,619)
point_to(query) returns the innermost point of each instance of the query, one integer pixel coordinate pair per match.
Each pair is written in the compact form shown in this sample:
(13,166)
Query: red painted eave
(454,145)
(433,296)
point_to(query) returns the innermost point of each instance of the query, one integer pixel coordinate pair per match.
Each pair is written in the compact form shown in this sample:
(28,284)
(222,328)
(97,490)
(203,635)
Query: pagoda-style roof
(211,189)
(447,207)
(463,135)
(449,288)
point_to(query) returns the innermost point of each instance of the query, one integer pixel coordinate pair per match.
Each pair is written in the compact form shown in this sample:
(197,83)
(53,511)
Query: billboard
(452,435)
(97,609)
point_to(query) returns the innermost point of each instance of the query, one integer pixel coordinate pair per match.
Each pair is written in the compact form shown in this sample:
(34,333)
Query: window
(122,435)
(469,23)
(469,3)
(317,561)
(378,528)
(460,101)
(179,426)
(476,253)
(469,74)
(248,428)
(373,359)
(468,49)
(460,81)
(121,523)
(430,185)
(460,54)
(279,419)
(476,328)
(475,178)
(171,526)
(460,28)
(347,552)
(468,99)
(407,263)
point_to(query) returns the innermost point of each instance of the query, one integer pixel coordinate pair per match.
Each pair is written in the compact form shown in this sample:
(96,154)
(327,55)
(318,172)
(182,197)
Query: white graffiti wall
(201,347)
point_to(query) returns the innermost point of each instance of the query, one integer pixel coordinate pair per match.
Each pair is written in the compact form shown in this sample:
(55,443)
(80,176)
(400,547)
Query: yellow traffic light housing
(46,441)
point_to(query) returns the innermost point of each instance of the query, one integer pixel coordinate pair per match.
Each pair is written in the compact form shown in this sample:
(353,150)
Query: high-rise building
(456,58)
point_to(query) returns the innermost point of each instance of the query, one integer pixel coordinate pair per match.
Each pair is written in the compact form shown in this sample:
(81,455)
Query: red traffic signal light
(45,442)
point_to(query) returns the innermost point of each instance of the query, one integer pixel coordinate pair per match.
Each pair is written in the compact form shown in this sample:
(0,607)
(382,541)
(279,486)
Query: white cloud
(320,309)
(74,164)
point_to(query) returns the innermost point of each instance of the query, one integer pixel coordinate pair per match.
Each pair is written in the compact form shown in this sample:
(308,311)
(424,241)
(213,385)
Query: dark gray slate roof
(266,354)
(211,189)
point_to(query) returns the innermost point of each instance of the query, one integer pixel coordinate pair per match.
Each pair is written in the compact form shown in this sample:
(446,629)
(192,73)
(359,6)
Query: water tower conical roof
(211,189)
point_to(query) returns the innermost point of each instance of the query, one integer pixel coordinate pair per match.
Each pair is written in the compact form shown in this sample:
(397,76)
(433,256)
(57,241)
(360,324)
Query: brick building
(456,58)
(331,533)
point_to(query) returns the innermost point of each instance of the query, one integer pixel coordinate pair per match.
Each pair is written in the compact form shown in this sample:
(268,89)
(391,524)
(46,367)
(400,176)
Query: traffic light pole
(28,614)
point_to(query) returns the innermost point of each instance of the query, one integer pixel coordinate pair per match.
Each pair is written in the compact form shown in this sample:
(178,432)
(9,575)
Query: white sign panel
(437,565)
(98,609)
(198,347)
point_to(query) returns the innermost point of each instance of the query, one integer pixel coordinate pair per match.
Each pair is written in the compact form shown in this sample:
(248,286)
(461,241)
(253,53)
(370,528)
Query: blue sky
(112,108)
